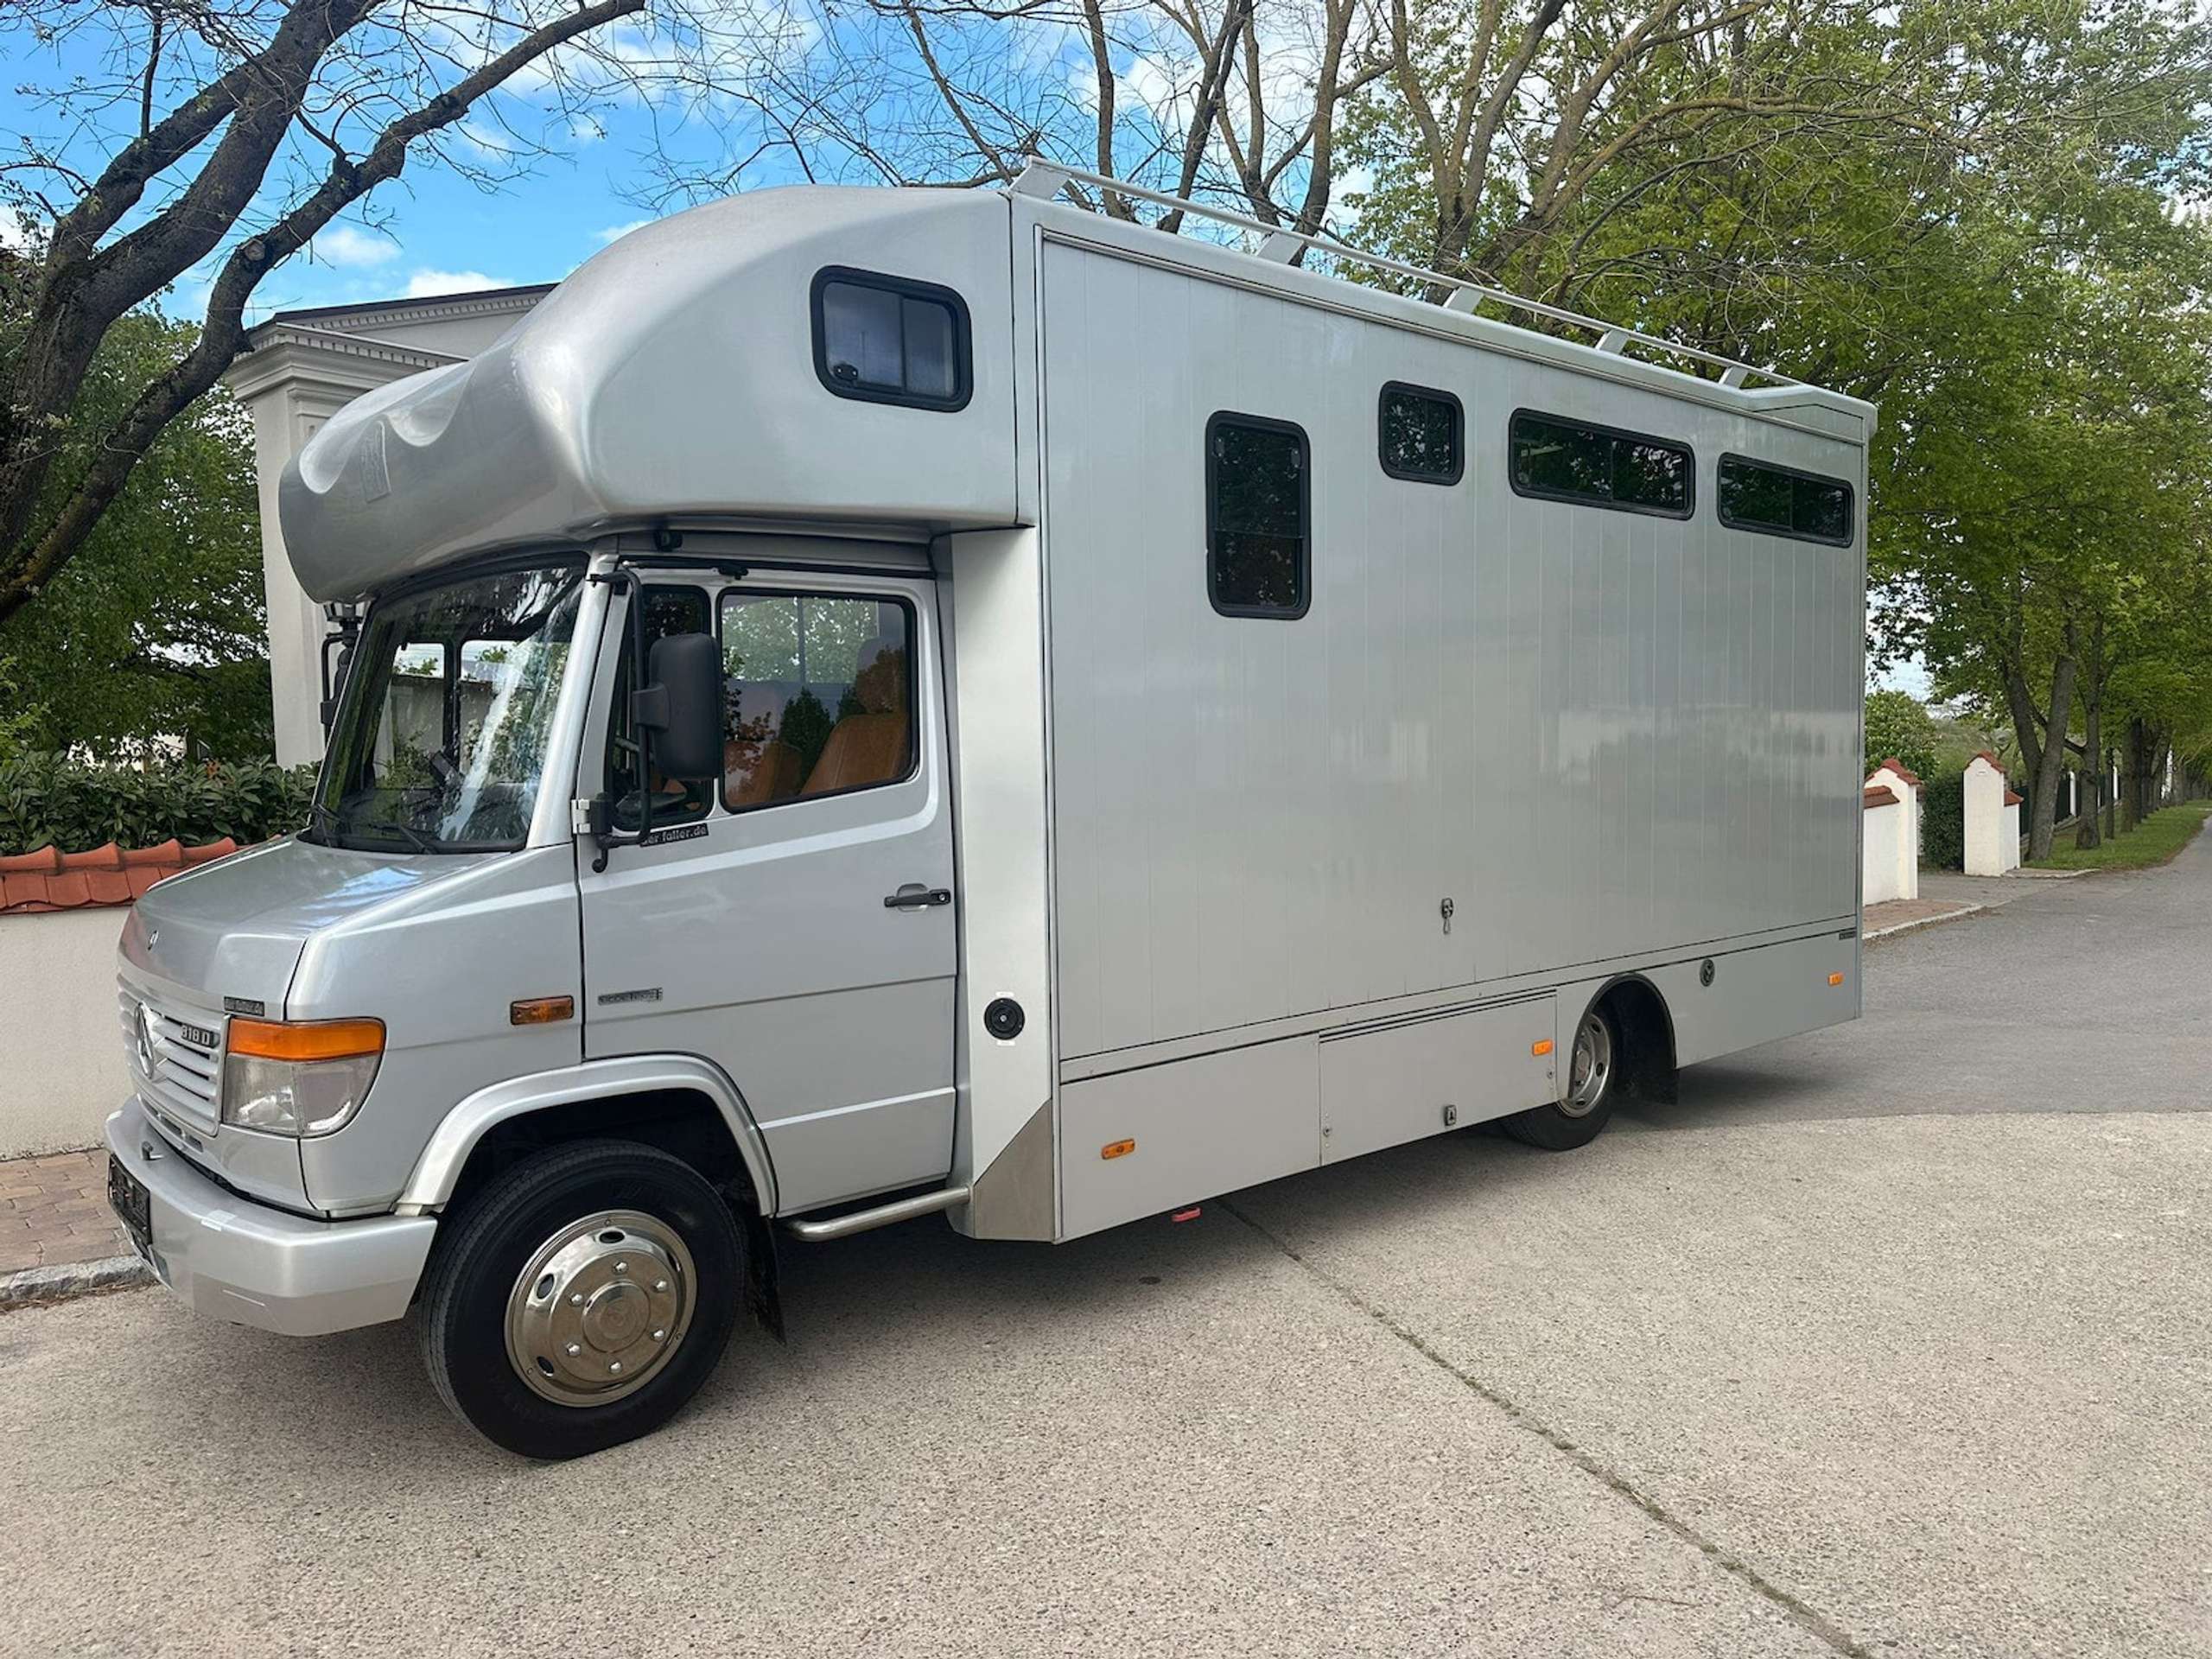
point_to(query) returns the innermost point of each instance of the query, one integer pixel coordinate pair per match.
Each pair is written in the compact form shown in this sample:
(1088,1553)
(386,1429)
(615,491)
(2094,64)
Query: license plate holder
(132,1204)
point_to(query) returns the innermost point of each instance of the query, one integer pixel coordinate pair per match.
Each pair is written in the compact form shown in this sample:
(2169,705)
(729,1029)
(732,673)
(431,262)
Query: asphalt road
(1890,1340)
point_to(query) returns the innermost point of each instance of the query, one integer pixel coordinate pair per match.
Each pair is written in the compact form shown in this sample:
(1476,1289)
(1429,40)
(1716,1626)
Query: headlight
(304,1078)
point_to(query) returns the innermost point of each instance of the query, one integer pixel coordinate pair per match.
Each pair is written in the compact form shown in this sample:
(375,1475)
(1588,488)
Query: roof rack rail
(1044,180)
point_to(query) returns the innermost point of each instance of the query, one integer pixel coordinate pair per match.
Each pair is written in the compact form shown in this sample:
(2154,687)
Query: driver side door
(793,923)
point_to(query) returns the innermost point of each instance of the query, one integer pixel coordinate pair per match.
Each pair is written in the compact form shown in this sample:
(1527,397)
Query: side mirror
(681,706)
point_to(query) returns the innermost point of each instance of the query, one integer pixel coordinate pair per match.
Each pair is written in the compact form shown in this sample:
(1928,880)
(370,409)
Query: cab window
(819,691)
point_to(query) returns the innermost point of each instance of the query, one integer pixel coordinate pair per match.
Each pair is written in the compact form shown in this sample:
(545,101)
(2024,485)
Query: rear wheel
(1593,1075)
(582,1298)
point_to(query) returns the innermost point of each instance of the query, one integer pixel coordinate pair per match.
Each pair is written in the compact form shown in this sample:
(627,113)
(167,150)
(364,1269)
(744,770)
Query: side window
(668,610)
(1419,434)
(1596,466)
(1258,555)
(1779,501)
(819,692)
(884,339)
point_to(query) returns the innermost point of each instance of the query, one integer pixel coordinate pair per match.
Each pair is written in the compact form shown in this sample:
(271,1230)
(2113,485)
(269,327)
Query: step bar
(861,1221)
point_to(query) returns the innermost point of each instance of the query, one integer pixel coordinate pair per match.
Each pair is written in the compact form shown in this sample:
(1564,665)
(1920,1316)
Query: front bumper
(235,1260)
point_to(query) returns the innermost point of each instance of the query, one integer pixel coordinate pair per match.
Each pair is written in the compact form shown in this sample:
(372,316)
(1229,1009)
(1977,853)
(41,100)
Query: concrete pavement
(1892,1339)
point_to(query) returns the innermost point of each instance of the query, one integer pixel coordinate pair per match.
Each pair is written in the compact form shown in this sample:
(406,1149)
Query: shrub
(49,798)
(1899,726)
(1943,821)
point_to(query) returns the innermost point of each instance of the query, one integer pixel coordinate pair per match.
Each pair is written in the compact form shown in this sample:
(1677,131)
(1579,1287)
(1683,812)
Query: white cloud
(429,284)
(615,232)
(344,244)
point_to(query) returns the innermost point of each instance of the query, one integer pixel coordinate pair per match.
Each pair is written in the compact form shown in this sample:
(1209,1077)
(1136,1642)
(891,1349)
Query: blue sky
(579,184)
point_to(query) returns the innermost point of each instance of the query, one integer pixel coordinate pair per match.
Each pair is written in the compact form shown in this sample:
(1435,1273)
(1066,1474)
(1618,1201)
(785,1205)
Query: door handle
(915,896)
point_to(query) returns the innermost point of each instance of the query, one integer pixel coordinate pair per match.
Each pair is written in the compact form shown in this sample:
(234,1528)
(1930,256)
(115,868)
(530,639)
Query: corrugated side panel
(1600,733)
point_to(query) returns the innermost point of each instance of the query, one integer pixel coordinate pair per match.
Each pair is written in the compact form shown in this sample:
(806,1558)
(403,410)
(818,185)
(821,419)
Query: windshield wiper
(321,816)
(415,838)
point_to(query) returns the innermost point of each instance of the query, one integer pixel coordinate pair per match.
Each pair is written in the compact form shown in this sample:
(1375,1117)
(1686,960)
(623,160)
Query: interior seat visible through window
(869,746)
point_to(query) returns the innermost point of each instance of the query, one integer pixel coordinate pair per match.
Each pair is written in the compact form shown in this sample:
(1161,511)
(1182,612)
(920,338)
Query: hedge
(1943,821)
(49,799)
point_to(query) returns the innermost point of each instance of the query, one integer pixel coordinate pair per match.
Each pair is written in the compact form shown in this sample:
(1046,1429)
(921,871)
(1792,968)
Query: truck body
(1179,719)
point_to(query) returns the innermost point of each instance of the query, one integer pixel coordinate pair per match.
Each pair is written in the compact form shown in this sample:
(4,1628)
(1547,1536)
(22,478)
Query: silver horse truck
(876,702)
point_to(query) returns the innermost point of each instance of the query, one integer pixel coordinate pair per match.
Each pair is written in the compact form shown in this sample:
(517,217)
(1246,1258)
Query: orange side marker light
(1835,979)
(1543,1048)
(541,1010)
(1117,1149)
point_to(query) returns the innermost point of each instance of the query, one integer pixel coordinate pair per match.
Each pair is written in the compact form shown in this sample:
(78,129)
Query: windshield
(440,742)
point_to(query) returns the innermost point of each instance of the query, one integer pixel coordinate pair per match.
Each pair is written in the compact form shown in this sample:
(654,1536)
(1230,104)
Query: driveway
(1893,1340)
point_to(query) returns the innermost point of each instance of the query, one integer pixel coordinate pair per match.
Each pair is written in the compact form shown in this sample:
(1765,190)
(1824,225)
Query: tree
(237,132)
(156,627)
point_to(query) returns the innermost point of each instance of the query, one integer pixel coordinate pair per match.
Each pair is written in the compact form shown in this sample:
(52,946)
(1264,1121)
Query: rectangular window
(1258,501)
(820,696)
(1780,501)
(1419,433)
(1597,466)
(885,340)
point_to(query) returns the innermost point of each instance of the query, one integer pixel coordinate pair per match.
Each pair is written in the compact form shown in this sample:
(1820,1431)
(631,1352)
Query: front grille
(186,1052)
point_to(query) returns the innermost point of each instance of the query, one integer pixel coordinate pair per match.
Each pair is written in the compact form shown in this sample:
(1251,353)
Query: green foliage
(47,799)
(1943,821)
(1899,726)
(2154,841)
(156,627)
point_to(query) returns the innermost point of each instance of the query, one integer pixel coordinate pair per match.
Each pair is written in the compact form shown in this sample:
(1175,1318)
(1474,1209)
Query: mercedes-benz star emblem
(145,1036)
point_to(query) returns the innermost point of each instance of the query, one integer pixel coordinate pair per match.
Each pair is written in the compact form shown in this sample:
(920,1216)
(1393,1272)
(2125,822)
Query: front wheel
(1593,1081)
(582,1298)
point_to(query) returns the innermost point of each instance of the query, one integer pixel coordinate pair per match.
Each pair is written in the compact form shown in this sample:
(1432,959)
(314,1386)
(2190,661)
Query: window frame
(743,592)
(1265,423)
(1608,504)
(1850,501)
(1435,395)
(906,288)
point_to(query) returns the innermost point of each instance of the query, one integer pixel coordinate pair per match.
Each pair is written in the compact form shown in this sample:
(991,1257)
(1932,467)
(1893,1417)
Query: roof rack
(1044,180)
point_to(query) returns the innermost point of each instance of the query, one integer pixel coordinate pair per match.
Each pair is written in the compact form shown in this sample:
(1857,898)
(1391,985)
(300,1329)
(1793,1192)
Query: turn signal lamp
(302,1077)
(1117,1149)
(1540,1048)
(1835,979)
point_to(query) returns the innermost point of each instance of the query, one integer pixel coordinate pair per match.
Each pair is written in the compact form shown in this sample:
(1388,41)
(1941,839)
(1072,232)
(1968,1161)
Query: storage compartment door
(1380,1087)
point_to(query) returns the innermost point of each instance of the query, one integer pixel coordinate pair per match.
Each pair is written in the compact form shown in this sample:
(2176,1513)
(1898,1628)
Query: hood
(231,931)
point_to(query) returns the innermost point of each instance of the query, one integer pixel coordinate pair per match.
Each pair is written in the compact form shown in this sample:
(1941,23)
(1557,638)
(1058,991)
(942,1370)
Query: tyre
(1594,1070)
(581,1297)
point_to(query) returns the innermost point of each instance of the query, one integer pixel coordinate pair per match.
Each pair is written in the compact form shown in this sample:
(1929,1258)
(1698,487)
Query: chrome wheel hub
(1591,1070)
(599,1308)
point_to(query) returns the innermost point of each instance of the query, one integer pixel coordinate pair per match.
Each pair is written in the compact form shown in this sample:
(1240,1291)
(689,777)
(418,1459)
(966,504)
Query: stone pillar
(1993,819)
(1894,776)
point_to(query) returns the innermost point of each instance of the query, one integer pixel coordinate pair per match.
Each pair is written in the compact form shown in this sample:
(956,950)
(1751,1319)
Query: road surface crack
(1806,1617)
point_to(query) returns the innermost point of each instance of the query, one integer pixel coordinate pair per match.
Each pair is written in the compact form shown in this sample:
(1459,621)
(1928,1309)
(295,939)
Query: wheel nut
(575,1298)
(660,1285)
(575,1348)
(621,1267)
(658,1335)
(613,1364)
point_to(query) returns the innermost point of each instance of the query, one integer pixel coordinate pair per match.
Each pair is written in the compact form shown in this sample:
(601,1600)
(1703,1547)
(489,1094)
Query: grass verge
(2154,841)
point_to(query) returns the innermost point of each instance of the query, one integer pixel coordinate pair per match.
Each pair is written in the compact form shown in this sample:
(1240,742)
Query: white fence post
(1993,819)
(1890,845)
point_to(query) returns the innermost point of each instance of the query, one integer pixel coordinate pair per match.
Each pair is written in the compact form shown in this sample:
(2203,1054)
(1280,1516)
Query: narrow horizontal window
(1780,501)
(1258,512)
(1600,466)
(1420,435)
(885,340)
